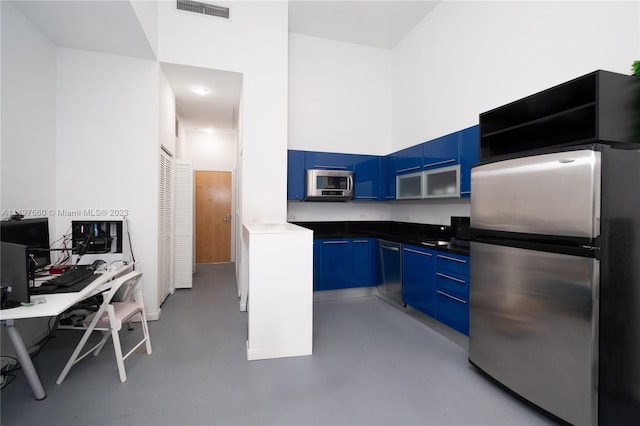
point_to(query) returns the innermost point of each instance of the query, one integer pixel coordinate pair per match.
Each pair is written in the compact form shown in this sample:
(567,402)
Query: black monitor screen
(97,237)
(14,275)
(33,233)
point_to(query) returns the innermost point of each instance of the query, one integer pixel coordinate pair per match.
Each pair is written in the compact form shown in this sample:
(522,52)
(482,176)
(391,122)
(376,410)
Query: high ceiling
(379,24)
(112,27)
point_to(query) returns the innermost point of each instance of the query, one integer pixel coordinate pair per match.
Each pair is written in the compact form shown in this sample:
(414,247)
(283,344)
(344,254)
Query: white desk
(54,305)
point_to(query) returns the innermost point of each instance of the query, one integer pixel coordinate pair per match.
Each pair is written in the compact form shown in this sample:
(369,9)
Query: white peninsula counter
(279,289)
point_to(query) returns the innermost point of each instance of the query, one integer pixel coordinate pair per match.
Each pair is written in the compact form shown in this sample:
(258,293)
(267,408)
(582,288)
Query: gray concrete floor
(372,365)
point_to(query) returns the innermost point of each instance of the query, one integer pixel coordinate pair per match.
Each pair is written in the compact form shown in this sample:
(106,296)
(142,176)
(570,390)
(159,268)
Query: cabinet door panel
(295,175)
(453,311)
(329,161)
(367,177)
(391,170)
(418,279)
(409,159)
(442,151)
(455,264)
(362,263)
(336,269)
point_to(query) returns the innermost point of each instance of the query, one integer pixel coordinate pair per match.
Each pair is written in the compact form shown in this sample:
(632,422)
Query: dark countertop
(420,235)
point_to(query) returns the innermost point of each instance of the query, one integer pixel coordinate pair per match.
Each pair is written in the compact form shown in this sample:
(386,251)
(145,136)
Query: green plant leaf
(636,68)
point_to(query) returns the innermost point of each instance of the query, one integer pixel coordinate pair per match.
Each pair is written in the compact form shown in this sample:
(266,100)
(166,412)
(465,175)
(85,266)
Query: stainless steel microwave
(329,185)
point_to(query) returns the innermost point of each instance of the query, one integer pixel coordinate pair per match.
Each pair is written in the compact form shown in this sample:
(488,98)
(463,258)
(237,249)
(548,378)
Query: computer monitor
(33,233)
(104,236)
(14,275)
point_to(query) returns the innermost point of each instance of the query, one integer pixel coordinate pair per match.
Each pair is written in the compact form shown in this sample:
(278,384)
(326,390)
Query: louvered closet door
(183,225)
(165,230)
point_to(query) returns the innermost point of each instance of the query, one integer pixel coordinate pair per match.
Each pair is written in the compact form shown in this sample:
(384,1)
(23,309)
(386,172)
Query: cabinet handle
(390,248)
(451,278)
(451,258)
(407,169)
(418,252)
(334,242)
(315,166)
(452,297)
(440,162)
(465,192)
(360,241)
(362,197)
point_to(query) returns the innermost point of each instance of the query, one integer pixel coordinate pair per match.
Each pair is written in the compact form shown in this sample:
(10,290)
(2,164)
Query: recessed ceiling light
(208,130)
(200,90)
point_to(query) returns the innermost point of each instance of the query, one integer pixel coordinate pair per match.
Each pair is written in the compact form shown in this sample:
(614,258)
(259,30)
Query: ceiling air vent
(203,8)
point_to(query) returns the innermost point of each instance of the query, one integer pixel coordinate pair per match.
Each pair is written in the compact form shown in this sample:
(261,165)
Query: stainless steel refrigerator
(555,281)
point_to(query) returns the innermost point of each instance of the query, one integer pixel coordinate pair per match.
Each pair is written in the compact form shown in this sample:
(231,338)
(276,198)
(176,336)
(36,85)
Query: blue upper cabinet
(469,155)
(367,173)
(442,151)
(389,182)
(295,175)
(409,160)
(329,161)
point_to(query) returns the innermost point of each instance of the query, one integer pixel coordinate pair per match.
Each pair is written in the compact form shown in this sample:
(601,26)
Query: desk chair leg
(76,352)
(145,331)
(119,359)
(103,341)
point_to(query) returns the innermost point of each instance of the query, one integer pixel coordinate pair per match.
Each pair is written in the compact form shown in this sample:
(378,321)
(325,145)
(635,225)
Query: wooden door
(213,217)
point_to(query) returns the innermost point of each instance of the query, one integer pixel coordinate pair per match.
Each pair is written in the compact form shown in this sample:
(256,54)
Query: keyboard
(71,281)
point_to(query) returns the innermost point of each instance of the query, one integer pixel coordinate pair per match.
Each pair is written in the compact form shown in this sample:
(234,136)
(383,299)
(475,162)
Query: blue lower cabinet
(344,263)
(453,310)
(335,267)
(418,279)
(452,287)
(363,266)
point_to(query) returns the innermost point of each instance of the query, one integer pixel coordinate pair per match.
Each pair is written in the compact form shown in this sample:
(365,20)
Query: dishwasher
(389,285)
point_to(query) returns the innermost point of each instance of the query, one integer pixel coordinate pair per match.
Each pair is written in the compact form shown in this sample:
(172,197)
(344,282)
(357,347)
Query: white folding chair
(109,319)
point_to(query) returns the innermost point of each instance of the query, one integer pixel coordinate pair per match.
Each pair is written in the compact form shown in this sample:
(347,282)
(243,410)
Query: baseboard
(347,293)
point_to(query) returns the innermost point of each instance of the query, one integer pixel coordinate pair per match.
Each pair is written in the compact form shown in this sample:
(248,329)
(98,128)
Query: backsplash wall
(435,212)
(300,211)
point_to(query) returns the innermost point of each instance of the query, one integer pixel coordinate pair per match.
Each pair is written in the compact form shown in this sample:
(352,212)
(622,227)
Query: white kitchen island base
(279,265)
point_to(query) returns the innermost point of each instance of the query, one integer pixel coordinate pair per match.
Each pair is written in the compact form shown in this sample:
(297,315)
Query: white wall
(207,151)
(167,115)
(107,147)
(28,110)
(339,96)
(181,143)
(301,211)
(28,115)
(147,13)
(254,42)
(436,212)
(469,57)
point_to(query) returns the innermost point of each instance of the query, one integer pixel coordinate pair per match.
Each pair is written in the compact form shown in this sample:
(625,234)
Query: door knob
(227,217)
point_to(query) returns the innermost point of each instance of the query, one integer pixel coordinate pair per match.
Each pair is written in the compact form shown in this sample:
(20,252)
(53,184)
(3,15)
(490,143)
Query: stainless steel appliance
(331,185)
(389,285)
(555,281)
